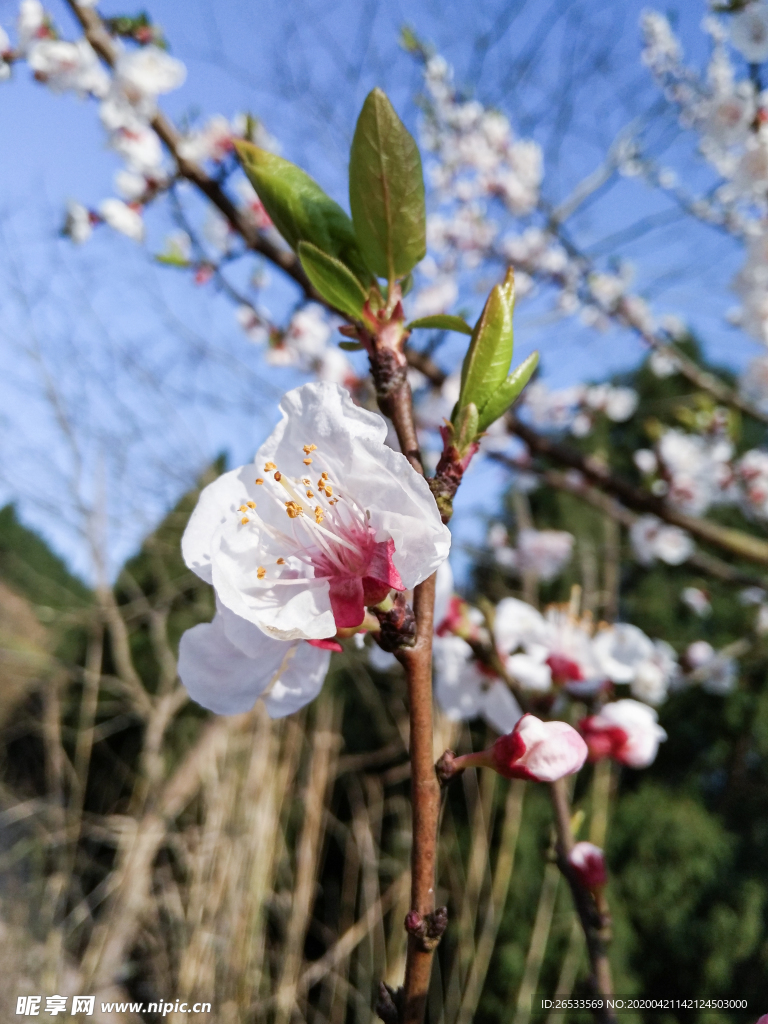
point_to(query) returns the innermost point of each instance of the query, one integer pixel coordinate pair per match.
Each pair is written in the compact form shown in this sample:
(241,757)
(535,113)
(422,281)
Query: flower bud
(534,750)
(625,730)
(587,862)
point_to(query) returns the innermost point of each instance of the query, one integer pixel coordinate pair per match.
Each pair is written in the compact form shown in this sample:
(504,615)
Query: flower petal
(219,675)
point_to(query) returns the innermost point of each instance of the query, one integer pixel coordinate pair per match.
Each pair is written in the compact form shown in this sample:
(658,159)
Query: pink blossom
(625,730)
(587,862)
(534,750)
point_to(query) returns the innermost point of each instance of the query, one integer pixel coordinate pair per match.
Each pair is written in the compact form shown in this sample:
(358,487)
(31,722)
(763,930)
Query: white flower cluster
(576,408)
(305,343)
(545,553)
(730,116)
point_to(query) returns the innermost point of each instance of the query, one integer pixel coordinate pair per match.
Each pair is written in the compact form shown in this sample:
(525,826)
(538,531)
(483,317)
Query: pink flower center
(330,535)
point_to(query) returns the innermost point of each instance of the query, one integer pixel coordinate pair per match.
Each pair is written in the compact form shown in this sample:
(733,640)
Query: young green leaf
(299,208)
(489,355)
(466,427)
(441,322)
(333,280)
(505,395)
(386,191)
(351,346)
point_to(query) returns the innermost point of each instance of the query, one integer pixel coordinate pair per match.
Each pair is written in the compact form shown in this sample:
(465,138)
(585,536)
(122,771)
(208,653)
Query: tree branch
(592,920)
(736,542)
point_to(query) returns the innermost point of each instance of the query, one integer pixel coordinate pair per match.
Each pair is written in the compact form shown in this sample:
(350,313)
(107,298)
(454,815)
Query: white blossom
(67,66)
(465,692)
(652,539)
(697,600)
(749,32)
(78,225)
(299,551)
(625,730)
(148,72)
(228,664)
(122,218)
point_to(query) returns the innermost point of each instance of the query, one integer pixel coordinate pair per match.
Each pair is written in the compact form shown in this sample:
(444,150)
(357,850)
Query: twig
(710,564)
(591,919)
(736,542)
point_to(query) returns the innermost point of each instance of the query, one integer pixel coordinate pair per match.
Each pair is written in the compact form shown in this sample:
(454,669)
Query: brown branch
(97,35)
(592,920)
(425,790)
(736,542)
(425,800)
(710,564)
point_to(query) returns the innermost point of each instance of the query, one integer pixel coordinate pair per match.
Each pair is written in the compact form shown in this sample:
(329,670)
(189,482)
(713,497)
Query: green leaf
(335,282)
(467,427)
(504,396)
(172,259)
(489,355)
(386,191)
(351,346)
(441,322)
(298,207)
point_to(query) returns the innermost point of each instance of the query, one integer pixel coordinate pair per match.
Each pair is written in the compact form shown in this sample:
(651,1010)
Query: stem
(425,789)
(425,800)
(592,921)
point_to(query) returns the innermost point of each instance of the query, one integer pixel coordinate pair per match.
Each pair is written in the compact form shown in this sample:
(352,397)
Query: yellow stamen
(310,494)
(309,448)
(269,467)
(245,520)
(328,490)
(261,572)
(278,476)
(323,476)
(281,561)
(251,504)
(319,514)
(243,508)
(307,462)
(259,480)
(293,509)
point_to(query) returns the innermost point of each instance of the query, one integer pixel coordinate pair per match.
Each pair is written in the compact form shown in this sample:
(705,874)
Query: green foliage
(29,567)
(300,210)
(386,191)
(332,280)
(486,363)
(508,392)
(441,322)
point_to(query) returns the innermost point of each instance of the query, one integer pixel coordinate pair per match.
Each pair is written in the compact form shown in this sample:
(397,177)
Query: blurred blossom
(122,218)
(697,600)
(662,364)
(464,691)
(624,730)
(653,539)
(587,862)
(749,32)
(79,224)
(534,750)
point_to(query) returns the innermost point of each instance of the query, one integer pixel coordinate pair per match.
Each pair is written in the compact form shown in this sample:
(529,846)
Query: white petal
(532,673)
(220,676)
(300,681)
(499,708)
(517,623)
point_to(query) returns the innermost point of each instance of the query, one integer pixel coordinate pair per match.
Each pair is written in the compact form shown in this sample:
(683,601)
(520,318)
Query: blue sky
(150,376)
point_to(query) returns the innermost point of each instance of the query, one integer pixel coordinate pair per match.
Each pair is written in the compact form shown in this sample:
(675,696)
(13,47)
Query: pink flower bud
(625,730)
(588,864)
(534,750)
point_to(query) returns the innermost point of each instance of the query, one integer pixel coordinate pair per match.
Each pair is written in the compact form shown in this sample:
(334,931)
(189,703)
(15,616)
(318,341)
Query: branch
(97,35)
(736,542)
(710,564)
(592,920)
